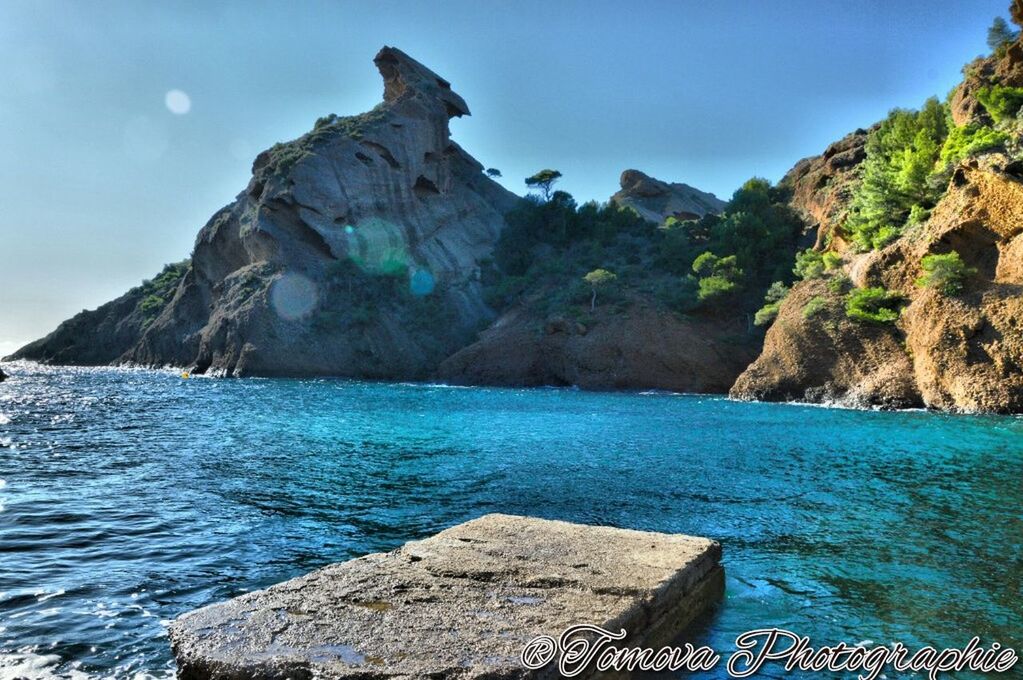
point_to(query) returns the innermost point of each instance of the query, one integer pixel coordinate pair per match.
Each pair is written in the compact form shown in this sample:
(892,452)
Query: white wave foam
(5,419)
(27,664)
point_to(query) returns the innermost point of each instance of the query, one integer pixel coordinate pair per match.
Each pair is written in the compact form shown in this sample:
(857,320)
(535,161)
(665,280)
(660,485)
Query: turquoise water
(130,497)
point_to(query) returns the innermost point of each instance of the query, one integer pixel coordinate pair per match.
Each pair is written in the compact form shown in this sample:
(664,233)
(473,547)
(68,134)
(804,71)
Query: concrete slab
(460,604)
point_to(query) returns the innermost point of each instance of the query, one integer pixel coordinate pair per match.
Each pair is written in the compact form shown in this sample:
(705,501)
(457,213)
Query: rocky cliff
(640,347)
(961,353)
(656,200)
(821,187)
(354,250)
(951,275)
(638,337)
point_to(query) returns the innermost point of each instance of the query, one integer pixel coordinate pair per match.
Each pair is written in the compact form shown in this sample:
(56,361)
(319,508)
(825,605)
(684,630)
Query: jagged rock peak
(656,200)
(404,77)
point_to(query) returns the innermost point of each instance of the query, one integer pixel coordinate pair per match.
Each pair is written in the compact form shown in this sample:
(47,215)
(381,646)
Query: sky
(125,125)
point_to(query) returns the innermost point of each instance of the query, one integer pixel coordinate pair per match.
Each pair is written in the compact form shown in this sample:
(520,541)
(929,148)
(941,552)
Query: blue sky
(101,183)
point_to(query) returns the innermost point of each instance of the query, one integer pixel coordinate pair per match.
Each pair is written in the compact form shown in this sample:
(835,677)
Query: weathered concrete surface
(460,604)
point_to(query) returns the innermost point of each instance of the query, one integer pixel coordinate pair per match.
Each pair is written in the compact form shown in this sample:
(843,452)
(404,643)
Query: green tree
(493,172)
(543,181)
(772,302)
(598,279)
(945,273)
(901,156)
(720,277)
(872,305)
(999,34)
(809,264)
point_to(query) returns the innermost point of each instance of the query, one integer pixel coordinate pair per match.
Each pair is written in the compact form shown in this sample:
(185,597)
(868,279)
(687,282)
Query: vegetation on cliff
(689,266)
(910,296)
(158,291)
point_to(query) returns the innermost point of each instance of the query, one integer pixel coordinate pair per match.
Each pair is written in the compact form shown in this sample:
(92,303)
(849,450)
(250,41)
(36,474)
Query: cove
(131,497)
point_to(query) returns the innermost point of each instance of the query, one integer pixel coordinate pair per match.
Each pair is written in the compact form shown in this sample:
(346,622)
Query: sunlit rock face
(354,250)
(656,201)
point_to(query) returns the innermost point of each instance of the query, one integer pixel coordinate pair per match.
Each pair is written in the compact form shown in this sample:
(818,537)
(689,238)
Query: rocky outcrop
(821,187)
(3,376)
(656,201)
(638,348)
(460,605)
(824,357)
(92,337)
(354,251)
(959,353)
(1005,68)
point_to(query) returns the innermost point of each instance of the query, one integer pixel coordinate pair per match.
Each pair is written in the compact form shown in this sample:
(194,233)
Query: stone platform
(460,604)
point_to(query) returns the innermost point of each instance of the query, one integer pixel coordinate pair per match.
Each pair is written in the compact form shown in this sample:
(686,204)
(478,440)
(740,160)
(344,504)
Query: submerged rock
(354,250)
(656,201)
(461,604)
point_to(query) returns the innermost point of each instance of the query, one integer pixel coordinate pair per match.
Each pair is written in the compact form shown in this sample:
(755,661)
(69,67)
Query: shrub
(155,294)
(968,140)
(831,260)
(678,293)
(839,284)
(872,305)
(944,273)
(772,303)
(715,288)
(809,264)
(917,215)
(1001,102)
(814,306)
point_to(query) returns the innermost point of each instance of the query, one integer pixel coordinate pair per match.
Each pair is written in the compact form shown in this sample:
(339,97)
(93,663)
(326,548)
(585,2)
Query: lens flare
(377,246)
(421,283)
(177,102)
(293,296)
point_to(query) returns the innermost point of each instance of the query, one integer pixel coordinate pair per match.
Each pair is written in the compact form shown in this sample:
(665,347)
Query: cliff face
(639,348)
(962,353)
(635,341)
(656,201)
(354,250)
(960,350)
(821,187)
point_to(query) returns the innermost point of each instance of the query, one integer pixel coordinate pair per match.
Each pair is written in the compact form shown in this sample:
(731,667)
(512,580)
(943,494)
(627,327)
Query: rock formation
(640,348)
(958,352)
(961,353)
(354,251)
(821,186)
(656,201)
